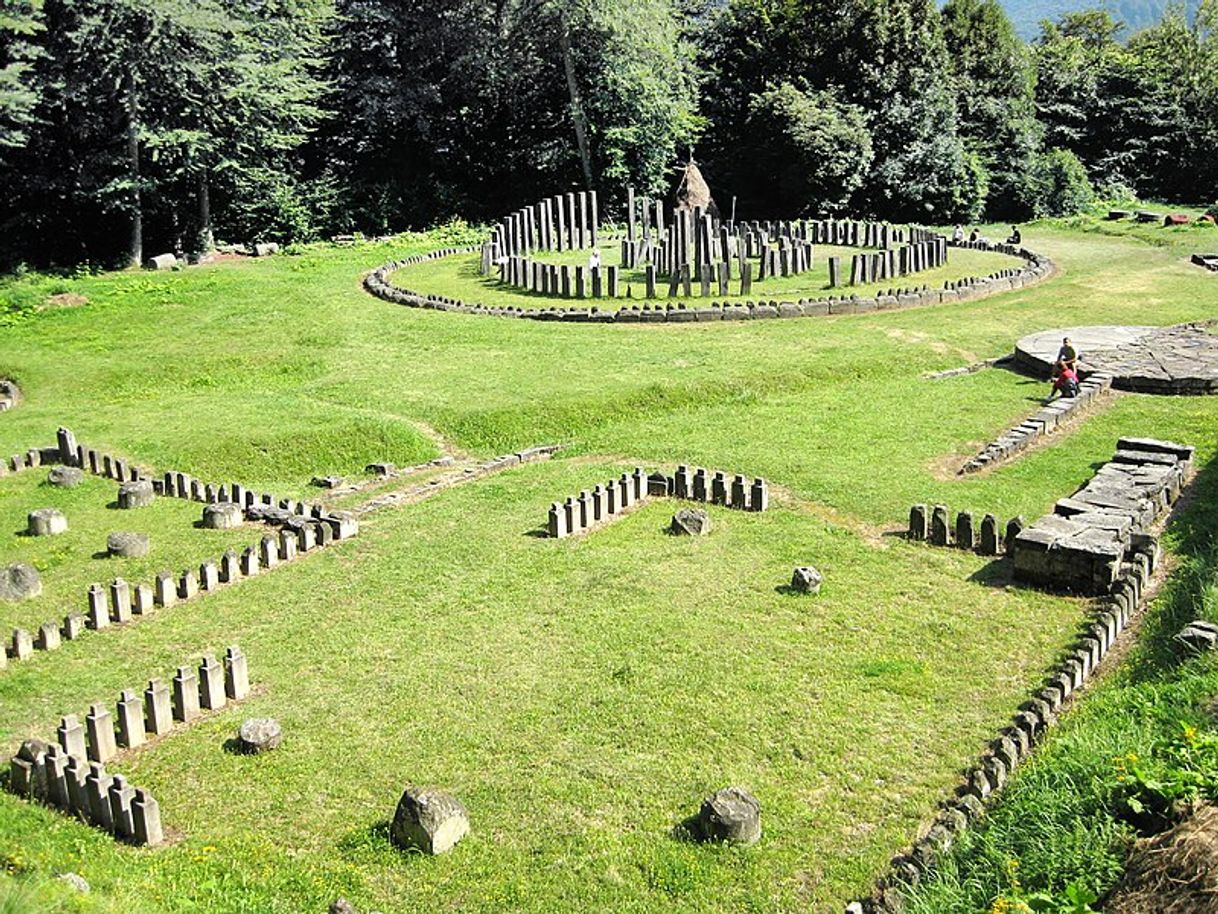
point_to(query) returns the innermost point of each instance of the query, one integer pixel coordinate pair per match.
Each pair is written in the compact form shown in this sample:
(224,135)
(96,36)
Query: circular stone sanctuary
(1157,360)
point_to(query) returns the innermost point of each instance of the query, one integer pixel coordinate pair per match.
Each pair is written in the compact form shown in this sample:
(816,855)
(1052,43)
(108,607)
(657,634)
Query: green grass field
(580,696)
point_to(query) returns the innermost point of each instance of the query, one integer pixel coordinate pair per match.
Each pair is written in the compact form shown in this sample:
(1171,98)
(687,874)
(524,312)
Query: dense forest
(130,128)
(1027,15)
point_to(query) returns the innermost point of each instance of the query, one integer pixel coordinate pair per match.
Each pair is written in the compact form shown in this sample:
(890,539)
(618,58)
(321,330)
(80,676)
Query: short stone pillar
(138,494)
(121,796)
(72,736)
(229,568)
(556,521)
(236,674)
(211,684)
(146,819)
(99,609)
(185,695)
(46,522)
(222,515)
(940,530)
(731,815)
(165,590)
(429,820)
(100,727)
(131,728)
(740,496)
(209,576)
(188,584)
(966,536)
(22,644)
(989,544)
(157,713)
(1014,527)
(47,637)
(120,601)
(919,523)
(97,789)
(759,496)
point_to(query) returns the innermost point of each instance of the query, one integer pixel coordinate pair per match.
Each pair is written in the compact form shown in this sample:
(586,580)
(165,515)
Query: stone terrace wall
(1036,268)
(1081,546)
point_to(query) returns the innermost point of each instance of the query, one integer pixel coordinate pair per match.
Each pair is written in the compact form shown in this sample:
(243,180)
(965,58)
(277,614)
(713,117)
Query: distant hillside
(1136,14)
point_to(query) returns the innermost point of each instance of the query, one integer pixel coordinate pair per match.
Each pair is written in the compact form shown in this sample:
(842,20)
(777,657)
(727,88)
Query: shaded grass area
(458,277)
(581,697)
(69,562)
(1065,820)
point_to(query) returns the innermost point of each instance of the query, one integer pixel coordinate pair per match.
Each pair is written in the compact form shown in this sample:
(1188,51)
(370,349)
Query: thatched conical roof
(693,191)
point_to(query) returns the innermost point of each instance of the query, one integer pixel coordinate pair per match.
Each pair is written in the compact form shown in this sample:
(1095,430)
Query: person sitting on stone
(594,259)
(974,236)
(1065,381)
(958,234)
(1067,356)
(1016,237)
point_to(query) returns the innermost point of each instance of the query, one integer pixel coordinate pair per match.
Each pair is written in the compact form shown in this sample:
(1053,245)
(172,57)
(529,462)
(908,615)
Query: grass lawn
(580,696)
(458,277)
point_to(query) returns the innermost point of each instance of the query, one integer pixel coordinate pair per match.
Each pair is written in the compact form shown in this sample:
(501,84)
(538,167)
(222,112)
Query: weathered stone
(1197,637)
(429,820)
(21,646)
(47,638)
(259,734)
(211,684)
(919,523)
(71,736)
(185,701)
(806,579)
(65,477)
(731,815)
(146,819)
(236,674)
(138,494)
(966,535)
(989,544)
(127,545)
(47,522)
(158,717)
(165,592)
(131,729)
(19,581)
(690,522)
(940,528)
(100,727)
(223,516)
(74,881)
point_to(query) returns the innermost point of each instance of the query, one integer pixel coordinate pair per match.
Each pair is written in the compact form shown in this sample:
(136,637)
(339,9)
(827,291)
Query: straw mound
(1173,873)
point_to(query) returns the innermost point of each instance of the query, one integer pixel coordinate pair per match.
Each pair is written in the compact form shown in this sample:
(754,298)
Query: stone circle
(259,734)
(127,545)
(429,820)
(1157,360)
(223,516)
(807,580)
(19,581)
(65,477)
(690,522)
(138,494)
(731,815)
(47,522)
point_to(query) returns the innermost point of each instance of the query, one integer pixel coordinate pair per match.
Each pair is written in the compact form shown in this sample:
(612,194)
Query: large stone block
(429,820)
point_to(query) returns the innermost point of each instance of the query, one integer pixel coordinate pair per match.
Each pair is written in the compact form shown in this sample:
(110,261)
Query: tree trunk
(207,239)
(133,164)
(577,108)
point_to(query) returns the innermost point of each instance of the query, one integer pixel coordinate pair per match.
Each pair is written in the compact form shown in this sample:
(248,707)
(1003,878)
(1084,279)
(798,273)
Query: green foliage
(20,22)
(1063,188)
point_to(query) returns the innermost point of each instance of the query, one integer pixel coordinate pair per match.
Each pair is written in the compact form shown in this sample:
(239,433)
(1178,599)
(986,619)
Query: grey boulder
(19,581)
(127,545)
(429,820)
(691,522)
(731,815)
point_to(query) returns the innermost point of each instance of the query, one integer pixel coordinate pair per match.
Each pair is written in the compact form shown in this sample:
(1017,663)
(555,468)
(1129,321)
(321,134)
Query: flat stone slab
(1160,360)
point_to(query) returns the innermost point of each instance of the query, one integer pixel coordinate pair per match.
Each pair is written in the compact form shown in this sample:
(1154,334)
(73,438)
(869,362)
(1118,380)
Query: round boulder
(19,581)
(259,734)
(127,545)
(429,820)
(806,580)
(138,494)
(730,815)
(65,477)
(223,515)
(691,522)
(47,522)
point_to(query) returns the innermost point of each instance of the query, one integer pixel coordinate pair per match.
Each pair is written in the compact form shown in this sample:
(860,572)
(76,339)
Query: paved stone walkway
(1158,360)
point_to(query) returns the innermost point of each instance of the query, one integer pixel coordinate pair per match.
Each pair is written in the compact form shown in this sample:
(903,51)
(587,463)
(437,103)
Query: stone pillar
(649,277)
(1014,527)
(556,522)
(249,560)
(73,627)
(99,612)
(989,535)
(268,552)
(719,489)
(585,509)
(581,290)
(141,602)
(157,717)
(940,530)
(639,479)
(229,571)
(185,695)
(72,736)
(121,795)
(760,495)
(236,674)
(120,600)
(287,545)
(699,490)
(212,696)
(209,576)
(131,726)
(966,536)
(47,638)
(100,726)
(683,482)
(22,644)
(611,278)
(188,585)
(166,590)
(97,789)
(625,492)
(835,271)
(75,770)
(55,764)
(919,523)
(146,819)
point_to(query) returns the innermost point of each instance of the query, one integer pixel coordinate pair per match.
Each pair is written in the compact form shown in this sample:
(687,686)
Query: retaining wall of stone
(1036,268)
(299,527)
(581,512)
(1042,422)
(1083,544)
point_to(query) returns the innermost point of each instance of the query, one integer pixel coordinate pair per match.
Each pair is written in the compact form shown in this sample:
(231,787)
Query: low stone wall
(69,774)
(300,528)
(987,536)
(1036,268)
(584,511)
(1042,422)
(1083,544)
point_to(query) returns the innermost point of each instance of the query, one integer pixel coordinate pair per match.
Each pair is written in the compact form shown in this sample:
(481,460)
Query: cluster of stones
(578,514)
(9,394)
(1209,261)
(69,774)
(301,528)
(1197,637)
(559,223)
(1083,545)
(1035,268)
(934,526)
(1107,617)
(1040,423)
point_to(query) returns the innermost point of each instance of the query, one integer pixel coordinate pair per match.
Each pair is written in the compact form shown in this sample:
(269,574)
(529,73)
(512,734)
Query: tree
(20,22)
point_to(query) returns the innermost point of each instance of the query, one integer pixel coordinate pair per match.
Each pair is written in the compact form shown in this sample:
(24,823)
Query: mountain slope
(1136,14)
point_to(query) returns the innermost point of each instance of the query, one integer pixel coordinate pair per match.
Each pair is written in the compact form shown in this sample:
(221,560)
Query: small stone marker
(236,674)
(806,579)
(429,820)
(47,637)
(223,515)
(138,494)
(127,545)
(100,727)
(211,684)
(157,716)
(919,523)
(940,529)
(1014,527)
(65,477)
(731,815)
(185,695)
(19,581)
(22,644)
(146,819)
(72,736)
(131,727)
(989,535)
(690,522)
(47,522)
(966,536)
(165,590)
(259,734)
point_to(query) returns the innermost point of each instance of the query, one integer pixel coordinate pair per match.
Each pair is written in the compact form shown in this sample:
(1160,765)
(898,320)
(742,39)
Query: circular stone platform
(1157,360)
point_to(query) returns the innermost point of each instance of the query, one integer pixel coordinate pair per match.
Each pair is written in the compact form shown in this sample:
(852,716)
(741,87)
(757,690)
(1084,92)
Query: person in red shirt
(1065,381)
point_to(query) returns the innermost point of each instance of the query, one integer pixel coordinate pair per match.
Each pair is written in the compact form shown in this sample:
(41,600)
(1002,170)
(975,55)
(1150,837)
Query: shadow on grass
(998,573)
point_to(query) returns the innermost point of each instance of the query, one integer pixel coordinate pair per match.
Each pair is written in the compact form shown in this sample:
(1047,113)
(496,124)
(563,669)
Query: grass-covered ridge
(581,696)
